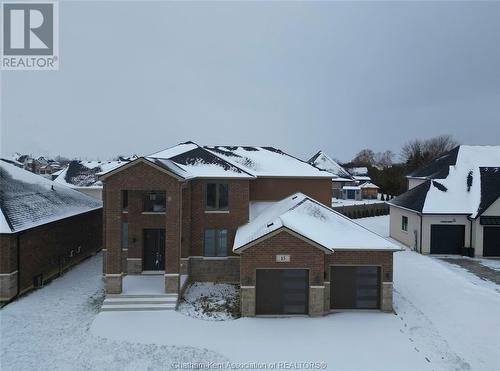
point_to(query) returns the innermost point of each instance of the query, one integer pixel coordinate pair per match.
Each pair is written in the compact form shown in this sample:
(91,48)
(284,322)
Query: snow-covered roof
(351,187)
(358,170)
(189,160)
(362,178)
(267,162)
(369,185)
(314,221)
(324,162)
(84,174)
(463,186)
(28,200)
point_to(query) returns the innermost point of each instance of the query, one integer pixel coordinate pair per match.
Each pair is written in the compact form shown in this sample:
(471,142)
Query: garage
(355,287)
(282,291)
(491,241)
(447,239)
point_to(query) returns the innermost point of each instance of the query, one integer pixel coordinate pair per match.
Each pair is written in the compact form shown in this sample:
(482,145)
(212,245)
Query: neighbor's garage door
(447,239)
(491,241)
(282,291)
(355,287)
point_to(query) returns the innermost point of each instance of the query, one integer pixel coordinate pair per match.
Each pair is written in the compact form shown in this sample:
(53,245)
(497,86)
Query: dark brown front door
(154,250)
(282,291)
(355,287)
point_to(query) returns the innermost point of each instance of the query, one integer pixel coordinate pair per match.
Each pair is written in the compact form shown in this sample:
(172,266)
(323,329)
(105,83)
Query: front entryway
(154,250)
(355,287)
(447,239)
(491,241)
(282,291)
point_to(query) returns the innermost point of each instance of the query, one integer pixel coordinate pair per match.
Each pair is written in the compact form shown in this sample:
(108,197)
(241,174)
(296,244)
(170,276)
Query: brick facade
(47,250)
(275,189)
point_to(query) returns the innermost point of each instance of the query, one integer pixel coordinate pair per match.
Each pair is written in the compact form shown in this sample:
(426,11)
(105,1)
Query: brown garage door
(282,291)
(355,287)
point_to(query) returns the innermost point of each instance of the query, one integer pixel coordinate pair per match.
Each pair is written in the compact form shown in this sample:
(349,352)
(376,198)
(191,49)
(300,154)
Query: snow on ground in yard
(345,341)
(49,330)
(447,316)
(211,301)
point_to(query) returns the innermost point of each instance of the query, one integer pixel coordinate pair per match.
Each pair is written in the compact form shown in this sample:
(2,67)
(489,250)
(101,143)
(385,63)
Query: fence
(364,210)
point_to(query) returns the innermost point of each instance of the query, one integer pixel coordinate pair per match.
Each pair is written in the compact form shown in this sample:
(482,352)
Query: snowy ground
(444,321)
(450,315)
(49,329)
(211,301)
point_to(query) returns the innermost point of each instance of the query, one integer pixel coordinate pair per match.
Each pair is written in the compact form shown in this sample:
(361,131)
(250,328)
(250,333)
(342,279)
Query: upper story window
(124,200)
(154,202)
(217,196)
(404,223)
(215,242)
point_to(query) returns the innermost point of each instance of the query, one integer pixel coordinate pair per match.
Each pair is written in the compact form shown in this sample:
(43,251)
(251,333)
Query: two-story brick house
(229,214)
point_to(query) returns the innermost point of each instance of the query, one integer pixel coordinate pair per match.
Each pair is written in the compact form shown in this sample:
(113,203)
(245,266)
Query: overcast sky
(139,77)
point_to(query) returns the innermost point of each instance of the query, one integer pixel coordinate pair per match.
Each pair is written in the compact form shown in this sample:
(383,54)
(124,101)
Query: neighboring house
(369,190)
(44,229)
(340,177)
(255,216)
(456,207)
(83,175)
(346,183)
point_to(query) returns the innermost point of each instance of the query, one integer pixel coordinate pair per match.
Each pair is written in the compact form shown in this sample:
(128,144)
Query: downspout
(420,240)
(471,250)
(18,243)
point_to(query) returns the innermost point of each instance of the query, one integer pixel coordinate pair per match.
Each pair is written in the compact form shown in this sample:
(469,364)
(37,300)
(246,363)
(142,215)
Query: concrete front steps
(139,302)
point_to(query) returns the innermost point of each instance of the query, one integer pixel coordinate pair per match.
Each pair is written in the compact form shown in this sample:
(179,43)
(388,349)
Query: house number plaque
(283,258)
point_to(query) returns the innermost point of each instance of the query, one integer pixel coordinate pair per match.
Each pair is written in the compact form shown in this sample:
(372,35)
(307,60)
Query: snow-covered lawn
(444,322)
(451,316)
(49,330)
(211,301)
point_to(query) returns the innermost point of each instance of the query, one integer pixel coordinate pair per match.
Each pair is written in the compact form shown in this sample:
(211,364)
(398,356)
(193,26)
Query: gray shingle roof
(28,200)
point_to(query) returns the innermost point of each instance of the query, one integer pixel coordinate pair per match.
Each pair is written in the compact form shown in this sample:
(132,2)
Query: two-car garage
(286,291)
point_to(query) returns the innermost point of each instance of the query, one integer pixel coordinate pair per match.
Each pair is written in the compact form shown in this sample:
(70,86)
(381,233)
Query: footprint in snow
(417,349)
(427,359)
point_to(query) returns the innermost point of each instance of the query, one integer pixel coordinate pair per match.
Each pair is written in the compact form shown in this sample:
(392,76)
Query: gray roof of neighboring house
(439,167)
(469,186)
(28,200)
(324,162)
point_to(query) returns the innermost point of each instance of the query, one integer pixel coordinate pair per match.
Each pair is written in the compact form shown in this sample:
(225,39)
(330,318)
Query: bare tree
(364,157)
(384,159)
(418,152)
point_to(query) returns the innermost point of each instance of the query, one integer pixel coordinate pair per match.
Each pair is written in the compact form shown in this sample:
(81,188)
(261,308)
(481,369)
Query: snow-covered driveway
(447,311)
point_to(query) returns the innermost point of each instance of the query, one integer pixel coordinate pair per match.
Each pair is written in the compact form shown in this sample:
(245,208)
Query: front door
(154,250)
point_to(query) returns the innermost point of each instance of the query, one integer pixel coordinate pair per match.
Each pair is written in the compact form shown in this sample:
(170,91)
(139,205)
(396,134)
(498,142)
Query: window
(154,202)
(124,200)
(404,223)
(217,196)
(125,235)
(215,242)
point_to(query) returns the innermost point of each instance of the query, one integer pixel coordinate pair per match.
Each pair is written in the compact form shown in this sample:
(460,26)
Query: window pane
(222,242)
(154,202)
(125,200)
(211,195)
(223,196)
(125,235)
(209,246)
